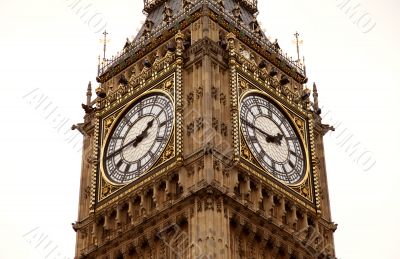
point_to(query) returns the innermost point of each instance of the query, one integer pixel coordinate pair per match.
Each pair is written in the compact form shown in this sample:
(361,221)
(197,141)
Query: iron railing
(140,43)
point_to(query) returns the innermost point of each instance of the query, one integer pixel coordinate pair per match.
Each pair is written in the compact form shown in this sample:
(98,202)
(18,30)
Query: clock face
(272,139)
(138,139)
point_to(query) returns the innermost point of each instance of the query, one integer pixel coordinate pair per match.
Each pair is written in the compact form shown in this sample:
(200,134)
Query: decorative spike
(89,93)
(315,96)
(304,66)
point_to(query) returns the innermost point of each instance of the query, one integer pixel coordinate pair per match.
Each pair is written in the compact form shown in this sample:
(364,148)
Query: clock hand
(257,128)
(278,137)
(269,138)
(135,141)
(143,134)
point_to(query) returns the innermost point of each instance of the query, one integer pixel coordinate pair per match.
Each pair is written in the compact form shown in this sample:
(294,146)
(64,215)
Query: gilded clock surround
(301,133)
(207,184)
(165,87)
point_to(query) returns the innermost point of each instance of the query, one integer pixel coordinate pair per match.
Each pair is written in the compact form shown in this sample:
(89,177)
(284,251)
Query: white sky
(45,48)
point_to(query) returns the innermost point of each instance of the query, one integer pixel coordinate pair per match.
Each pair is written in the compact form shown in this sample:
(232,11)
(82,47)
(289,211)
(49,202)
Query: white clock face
(138,139)
(272,139)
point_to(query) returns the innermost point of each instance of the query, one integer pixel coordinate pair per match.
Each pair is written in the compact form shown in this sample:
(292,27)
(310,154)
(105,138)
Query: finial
(304,66)
(276,45)
(179,36)
(89,93)
(127,43)
(230,38)
(105,33)
(315,96)
(98,66)
(297,45)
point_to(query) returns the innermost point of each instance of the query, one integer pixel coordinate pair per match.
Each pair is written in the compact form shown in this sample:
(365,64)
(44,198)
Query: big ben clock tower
(203,142)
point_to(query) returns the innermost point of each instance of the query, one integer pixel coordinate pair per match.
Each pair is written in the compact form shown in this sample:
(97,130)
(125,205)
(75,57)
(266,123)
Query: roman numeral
(253,139)
(159,139)
(273,165)
(291,164)
(128,166)
(159,113)
(154,102)
(162,124)
(120,162)
(127,121)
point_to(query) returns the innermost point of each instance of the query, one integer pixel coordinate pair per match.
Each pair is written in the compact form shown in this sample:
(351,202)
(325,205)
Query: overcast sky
(49,52)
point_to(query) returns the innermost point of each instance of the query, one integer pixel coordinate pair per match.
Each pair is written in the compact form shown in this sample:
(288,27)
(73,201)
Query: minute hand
(134,141)
(270,139)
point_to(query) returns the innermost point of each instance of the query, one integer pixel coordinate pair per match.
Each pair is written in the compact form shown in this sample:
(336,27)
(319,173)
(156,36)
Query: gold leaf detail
(105,190)
(246,153)
(168,85)
(169,152)
(107,125)
(305,191)
(244,85)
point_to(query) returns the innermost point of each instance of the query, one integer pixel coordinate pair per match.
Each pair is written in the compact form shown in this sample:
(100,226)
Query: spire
(89,94)
(105,33)
(315,96)
(298,42)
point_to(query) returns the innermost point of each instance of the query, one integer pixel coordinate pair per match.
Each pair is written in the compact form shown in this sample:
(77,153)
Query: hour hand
(269,138)
(144,134)
(275,139)
(135,141)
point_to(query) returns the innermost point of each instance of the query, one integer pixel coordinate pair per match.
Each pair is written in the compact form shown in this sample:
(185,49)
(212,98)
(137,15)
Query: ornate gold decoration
(300,125)
(169,152)
(108,123)
(107,189)
(309,183)
(168,85)
(305,191)
(246,153)
(243,85)
(230,37)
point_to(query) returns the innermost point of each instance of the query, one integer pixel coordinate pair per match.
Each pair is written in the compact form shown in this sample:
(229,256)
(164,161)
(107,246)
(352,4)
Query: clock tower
(203,142)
